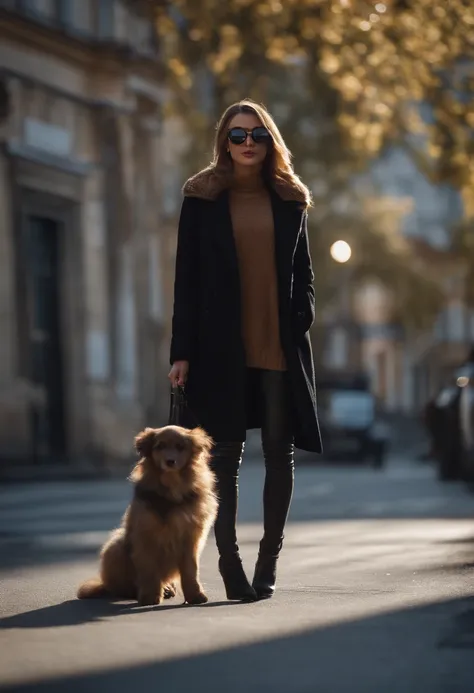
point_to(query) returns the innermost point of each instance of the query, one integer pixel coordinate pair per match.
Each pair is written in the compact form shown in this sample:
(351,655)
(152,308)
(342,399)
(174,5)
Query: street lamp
(341,253)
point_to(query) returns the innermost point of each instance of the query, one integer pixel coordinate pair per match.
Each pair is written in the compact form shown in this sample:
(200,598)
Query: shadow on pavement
(70,613)
(20,555)
(425,649)
(461,560)
(75,612)
(75,526)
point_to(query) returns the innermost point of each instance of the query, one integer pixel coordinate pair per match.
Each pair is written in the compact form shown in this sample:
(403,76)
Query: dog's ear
(144,442)
(137,473)
(202,441)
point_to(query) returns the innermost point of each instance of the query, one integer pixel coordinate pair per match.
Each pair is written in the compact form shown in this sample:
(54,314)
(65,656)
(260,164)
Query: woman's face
(249,154)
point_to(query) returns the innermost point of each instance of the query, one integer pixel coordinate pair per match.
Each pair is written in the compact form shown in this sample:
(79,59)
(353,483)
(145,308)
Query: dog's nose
(170,463)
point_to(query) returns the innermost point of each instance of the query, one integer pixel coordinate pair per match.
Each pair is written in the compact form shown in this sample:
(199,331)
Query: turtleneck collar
(251,181)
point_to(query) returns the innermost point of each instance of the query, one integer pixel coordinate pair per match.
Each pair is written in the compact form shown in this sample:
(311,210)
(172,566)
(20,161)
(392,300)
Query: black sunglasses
(260,135)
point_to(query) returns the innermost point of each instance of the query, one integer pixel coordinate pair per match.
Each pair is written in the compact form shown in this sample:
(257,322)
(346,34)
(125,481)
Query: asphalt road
(375,593)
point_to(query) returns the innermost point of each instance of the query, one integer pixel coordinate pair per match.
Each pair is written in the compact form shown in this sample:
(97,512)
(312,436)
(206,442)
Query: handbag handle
(177,405)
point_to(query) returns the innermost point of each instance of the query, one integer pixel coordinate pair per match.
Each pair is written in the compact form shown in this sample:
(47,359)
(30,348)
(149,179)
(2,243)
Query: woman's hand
(179,373)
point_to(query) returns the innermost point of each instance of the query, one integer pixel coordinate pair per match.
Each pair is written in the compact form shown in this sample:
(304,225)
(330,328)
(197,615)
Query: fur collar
(207,185)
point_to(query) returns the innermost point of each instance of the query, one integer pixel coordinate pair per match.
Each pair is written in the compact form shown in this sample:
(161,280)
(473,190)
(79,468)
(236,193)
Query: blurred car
(451,426)
(446,433)
(351,425)
(465,383)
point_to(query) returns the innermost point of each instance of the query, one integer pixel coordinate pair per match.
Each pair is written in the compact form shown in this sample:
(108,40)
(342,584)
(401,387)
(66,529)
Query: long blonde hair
(278,170)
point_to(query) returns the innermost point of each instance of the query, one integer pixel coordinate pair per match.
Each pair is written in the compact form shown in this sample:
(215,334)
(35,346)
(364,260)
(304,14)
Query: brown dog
(167,523)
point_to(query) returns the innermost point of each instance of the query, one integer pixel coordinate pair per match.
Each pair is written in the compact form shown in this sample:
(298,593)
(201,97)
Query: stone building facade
(84,264)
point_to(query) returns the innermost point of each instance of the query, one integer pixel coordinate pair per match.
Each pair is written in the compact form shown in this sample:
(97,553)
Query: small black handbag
(180,413)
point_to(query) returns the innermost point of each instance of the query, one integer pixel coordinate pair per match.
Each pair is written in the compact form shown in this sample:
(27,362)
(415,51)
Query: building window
(26,5)
(106,19)
(41,11)
(65,12)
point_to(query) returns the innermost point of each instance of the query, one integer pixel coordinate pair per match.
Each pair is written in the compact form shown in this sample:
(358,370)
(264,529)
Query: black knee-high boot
(225,464)
(277,494)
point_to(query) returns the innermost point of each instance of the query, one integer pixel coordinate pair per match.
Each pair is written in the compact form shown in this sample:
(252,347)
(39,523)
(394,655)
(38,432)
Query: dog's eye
(159,446)
(180,447)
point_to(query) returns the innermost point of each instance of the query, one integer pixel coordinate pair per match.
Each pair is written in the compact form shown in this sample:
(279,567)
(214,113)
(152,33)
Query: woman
(243,305)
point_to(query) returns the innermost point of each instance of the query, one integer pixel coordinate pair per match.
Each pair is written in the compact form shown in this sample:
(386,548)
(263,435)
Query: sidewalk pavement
(375,593)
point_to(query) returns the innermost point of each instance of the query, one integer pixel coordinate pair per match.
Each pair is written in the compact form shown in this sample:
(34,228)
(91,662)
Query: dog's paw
(169,591)
(199,598)
(145,599)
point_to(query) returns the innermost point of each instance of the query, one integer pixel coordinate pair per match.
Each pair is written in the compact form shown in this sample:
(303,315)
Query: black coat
(207,319)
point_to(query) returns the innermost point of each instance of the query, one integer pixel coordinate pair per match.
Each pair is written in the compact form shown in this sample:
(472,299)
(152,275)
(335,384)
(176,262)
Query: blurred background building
(107,105)
(82,317)
(407,369)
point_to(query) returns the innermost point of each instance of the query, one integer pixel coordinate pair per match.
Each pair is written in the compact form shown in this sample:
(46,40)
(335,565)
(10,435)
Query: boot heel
(236,585)
(265,576)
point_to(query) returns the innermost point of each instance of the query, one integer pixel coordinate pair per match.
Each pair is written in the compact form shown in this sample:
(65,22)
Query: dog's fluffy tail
(92,589)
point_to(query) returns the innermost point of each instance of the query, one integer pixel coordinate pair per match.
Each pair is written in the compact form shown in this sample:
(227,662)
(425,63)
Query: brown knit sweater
(252,221)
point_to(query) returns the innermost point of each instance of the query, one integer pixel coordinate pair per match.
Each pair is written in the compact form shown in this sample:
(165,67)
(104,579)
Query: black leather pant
(278,451)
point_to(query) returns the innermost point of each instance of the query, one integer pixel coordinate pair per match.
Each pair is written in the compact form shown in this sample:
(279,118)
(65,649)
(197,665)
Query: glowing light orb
(341,251)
